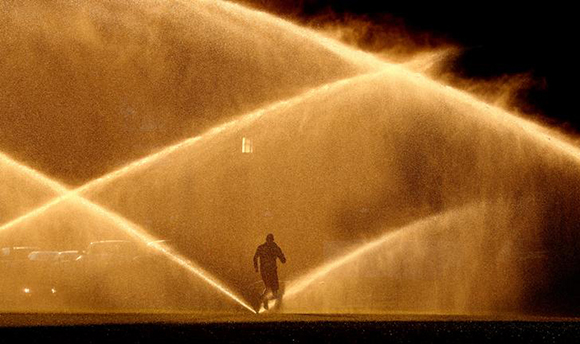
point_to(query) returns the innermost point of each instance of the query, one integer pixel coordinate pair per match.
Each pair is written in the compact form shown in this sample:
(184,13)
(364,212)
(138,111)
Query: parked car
(43,256)
(119,251)
(29,277)
(68,256)
(17,253)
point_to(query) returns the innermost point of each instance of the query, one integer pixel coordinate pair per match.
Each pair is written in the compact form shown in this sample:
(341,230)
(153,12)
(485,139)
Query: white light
(26,291)
(247,145)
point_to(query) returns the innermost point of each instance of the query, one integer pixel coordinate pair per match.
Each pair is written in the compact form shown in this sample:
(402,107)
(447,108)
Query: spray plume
(127,226)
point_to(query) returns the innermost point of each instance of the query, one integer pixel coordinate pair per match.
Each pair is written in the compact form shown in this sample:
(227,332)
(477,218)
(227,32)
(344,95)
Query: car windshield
(43,255)
(253,160)
(111,247)
(68,255)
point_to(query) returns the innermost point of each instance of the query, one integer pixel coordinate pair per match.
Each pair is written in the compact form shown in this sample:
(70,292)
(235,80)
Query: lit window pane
(247,145)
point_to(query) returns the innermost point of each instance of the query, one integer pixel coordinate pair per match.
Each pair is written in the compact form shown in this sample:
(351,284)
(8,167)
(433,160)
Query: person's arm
(256,260)
(281,255)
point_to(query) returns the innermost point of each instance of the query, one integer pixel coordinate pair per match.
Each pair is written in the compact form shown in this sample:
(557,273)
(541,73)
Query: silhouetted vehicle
(39,292)
(105,274)
(14,269)
(156,256)
(68,256)
(16,253)
(43,256)
(29,277)
(118,250)
(68,272)
(28,293)
(166,283)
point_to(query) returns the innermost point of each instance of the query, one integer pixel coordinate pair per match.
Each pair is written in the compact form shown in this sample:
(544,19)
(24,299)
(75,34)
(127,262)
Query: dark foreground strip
(267,332)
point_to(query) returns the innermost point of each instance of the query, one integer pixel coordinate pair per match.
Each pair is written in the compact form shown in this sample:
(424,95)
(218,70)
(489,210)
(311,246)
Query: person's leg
(270,279)
(275,288)
(264,297)
(276,297)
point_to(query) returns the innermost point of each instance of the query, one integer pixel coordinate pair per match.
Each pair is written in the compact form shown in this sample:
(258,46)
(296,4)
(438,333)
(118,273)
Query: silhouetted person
(267,254)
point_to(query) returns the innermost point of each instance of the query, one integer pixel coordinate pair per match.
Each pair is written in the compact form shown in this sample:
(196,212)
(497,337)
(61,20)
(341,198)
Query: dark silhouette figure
(267,254)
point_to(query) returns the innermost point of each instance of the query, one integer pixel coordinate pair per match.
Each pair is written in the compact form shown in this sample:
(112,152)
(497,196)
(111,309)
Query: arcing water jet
(134,76)
(140,234)
(142,163)
(365,61)
(20,192)
(344,164)
(426,266)
(125,225)
(381,152)
(156,157)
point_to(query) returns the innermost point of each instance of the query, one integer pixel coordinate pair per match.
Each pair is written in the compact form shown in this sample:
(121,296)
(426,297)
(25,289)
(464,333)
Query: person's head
(270,237)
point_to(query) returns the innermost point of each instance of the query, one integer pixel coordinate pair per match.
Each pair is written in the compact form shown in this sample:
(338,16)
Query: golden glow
(247,145)
(498,116)
(303,282)
(368,59)
(8,161)
(157,157)
(141,163)
(138,233)
(134,230)
(372,68)
(355,56)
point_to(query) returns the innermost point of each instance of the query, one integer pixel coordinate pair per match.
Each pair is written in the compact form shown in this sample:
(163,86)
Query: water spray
(357,57)
(156,157)
(301,283)
(366,60)
(133,229)
(127,226)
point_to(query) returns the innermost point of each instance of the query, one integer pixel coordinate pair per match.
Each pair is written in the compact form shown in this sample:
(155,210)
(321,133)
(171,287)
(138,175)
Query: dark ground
(193,328)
